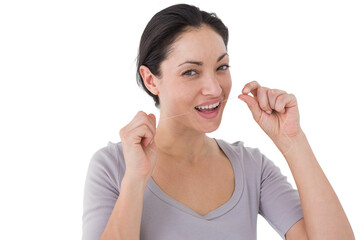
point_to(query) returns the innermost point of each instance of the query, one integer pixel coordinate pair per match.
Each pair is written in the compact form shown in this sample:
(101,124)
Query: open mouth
(208,108)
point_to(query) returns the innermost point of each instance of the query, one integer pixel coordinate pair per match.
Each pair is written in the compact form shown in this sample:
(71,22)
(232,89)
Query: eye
(223,67)
(190,72)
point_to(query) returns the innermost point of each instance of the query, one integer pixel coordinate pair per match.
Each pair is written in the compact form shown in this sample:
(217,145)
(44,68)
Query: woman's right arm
(140,158)
(125,219)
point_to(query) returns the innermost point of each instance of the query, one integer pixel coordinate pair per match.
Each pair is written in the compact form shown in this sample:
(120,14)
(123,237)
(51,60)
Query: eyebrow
(201,63)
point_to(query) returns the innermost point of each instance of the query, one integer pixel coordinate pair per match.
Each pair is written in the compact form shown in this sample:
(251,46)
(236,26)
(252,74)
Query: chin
(209,130)
(209,125)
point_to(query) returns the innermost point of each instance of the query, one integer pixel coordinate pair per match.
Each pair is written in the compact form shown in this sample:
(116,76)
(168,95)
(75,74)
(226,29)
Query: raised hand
(139,146)
(274,110)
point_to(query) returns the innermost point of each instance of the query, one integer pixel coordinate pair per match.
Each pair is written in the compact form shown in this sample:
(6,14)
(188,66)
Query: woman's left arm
(277,114)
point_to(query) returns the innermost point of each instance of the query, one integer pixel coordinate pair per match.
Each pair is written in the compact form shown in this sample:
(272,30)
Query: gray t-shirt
(260,188)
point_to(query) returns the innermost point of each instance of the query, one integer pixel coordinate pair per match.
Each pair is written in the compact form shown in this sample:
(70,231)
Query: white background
(67,71)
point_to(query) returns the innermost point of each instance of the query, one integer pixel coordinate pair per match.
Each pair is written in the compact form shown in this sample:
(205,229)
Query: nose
(211,86)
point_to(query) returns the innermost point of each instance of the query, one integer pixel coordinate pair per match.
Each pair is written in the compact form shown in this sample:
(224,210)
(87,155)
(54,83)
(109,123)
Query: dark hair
(163,29)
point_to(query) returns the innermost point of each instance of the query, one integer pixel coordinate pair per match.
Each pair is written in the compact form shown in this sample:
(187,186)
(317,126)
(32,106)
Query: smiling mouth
(208,108)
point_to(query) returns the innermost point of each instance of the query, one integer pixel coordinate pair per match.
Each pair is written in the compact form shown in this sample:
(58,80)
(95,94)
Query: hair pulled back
(163,29)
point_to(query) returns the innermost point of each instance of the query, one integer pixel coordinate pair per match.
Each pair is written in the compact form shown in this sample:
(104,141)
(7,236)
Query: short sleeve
(102,188)
(279,201)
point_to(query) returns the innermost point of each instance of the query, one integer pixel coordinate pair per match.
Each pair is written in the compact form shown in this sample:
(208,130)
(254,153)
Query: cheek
(186,94)
(230,83)
(226,84)
(178,95)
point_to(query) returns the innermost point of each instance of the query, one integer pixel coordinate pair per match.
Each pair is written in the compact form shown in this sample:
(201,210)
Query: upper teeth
(208,106)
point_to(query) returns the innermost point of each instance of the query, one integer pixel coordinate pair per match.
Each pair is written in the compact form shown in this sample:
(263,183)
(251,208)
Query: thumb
(253,106)
(153,117)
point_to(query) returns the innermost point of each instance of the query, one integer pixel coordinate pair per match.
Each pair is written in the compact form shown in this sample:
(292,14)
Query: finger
(251,88)
(272,95)
(152,145)
(153,119)
(139,119)
(262,97)
(133,121)
(142,135)
(148,124)
(284,101)
(253,106)
(142,118)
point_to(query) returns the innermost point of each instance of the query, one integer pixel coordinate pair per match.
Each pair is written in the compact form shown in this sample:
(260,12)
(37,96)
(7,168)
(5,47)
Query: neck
(179,143)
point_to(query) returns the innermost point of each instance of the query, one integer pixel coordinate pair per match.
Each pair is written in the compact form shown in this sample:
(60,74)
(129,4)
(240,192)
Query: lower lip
(209,115)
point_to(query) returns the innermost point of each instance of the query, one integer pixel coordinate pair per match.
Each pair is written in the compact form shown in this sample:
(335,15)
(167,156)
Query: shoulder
(102,188)
(248,156)
(254,165)
(108,163)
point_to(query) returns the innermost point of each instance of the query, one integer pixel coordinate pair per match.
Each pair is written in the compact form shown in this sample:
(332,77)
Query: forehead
(197,44)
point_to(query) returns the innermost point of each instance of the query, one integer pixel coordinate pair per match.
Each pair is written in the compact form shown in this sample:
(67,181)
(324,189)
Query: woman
(174,182)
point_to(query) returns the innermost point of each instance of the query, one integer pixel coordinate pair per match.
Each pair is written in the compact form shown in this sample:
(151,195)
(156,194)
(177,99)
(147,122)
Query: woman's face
(195,79)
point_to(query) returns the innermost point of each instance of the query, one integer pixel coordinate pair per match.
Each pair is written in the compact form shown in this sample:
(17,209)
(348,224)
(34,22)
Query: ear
(150,80)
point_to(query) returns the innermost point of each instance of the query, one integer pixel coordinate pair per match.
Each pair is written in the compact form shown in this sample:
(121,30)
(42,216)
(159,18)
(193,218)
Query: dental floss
(178,115)
(230,98)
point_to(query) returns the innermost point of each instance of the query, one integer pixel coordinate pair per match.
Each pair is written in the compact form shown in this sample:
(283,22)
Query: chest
(202,188)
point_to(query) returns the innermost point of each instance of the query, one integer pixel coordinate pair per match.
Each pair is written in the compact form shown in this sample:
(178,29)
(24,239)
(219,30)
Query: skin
(194,84)
(182,140)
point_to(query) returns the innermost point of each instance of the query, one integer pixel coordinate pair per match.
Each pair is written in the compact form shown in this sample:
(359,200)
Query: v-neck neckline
(222,209)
